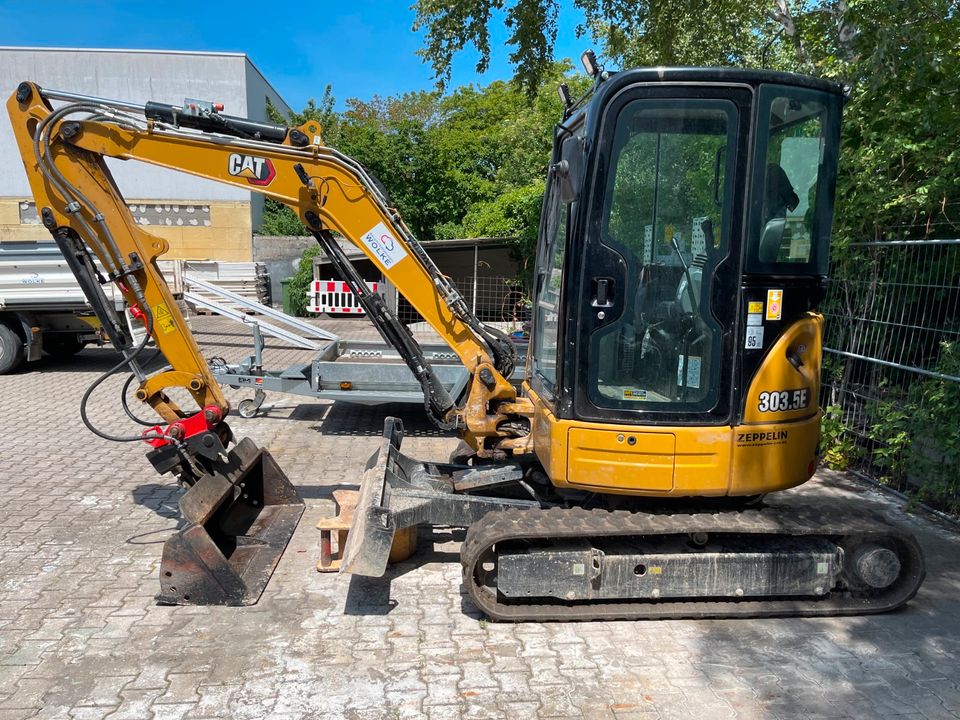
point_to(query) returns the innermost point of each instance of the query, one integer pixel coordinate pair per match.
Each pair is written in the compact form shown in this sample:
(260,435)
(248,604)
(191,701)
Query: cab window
(793,181)
(549,284)
(666,213)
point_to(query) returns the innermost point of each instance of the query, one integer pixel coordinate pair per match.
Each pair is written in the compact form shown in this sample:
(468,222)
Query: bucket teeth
(240,518)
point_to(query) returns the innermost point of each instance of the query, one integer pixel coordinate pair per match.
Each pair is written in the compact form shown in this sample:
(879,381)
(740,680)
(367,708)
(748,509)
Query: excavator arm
(64,151)
(240,506)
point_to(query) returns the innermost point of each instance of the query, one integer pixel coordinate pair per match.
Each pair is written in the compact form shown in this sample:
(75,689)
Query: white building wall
(136,76)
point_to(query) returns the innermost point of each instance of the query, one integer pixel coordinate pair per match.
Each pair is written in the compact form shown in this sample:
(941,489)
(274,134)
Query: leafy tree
(278,219)
(300,282)
(899,164)
(470,164)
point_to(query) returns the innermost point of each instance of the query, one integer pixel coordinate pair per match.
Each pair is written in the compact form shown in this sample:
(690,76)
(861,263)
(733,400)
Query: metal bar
(260,309)
(240,317)
(898,366)
(76,97)
(257,346)
(889,243)
(476,267)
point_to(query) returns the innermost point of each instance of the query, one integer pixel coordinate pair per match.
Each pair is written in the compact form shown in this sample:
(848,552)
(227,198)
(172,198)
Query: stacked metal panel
(247,279)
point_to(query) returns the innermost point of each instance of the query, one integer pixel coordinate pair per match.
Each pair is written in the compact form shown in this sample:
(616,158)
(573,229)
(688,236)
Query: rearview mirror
(569,169)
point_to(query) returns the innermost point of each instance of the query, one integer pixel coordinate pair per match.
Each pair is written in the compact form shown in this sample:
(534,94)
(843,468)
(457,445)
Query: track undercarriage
(528,556)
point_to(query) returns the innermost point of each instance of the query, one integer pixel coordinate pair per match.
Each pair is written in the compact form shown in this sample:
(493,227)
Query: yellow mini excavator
(674,357)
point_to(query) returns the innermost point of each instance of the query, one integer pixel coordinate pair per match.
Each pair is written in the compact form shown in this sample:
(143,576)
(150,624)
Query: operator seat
(779,198)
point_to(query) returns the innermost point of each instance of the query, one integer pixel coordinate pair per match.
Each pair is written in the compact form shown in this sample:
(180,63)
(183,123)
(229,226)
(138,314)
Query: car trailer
(364,372)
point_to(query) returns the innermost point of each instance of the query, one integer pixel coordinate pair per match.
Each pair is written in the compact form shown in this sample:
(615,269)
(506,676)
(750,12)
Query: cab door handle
(603,291)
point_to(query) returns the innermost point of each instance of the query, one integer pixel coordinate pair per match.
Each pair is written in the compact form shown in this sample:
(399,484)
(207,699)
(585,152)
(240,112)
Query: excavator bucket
(241,518)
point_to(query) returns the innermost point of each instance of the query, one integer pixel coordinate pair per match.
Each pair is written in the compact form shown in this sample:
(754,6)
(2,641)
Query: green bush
(934,454)
(300,282)
(278,219)
(837,449)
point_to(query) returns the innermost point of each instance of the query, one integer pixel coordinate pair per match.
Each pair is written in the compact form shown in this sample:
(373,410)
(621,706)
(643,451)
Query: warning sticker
(385,247)
(755,306)
(162,320)
(754,340)
(774,304)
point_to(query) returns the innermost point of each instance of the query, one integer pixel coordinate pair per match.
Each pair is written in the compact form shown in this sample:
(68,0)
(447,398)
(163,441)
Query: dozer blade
(241,518)
(398,492)
(371,534)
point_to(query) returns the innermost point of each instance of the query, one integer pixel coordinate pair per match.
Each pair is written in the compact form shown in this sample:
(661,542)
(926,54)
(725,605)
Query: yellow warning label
(162,320)
(774,304)
(755,307)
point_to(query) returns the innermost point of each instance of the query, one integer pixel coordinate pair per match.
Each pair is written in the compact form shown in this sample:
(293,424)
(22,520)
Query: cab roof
(702,76)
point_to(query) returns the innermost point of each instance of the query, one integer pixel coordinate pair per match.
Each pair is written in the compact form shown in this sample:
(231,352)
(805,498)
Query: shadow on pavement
(162,498)
(371,596)
(897,663)
(323,492)
(365,421)
(91,359)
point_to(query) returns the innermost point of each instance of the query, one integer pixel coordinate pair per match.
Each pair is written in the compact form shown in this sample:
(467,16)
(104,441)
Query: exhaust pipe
(241,517)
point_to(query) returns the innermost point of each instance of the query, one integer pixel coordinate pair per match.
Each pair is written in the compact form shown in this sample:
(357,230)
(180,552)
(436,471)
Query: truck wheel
(11,349)
(61,345)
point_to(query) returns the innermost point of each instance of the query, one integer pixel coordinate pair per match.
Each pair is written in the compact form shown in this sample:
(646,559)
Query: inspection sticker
(754,339)
(693,365)
(774,304)
(162,320)
(755,306)
(385,247)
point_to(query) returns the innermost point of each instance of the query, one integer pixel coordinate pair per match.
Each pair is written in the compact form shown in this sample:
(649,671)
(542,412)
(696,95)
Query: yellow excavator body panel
(769,450)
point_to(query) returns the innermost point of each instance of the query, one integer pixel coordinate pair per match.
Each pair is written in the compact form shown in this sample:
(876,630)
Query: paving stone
(81,635)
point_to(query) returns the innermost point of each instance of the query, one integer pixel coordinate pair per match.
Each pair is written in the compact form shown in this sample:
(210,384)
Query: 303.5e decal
(783,400)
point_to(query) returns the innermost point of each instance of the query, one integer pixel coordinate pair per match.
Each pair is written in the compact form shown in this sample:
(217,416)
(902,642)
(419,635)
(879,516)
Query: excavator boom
(241,507)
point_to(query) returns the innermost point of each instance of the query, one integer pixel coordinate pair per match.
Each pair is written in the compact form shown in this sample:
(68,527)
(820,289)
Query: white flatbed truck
(42,308)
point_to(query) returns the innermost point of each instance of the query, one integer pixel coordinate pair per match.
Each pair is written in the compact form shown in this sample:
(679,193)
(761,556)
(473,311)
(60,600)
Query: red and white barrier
(335,296)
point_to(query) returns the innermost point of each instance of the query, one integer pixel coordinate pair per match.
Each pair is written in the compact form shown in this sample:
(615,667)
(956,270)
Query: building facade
(200,219)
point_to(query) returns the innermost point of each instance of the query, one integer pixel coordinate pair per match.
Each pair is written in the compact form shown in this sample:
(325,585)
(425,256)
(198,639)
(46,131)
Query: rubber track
(578,523)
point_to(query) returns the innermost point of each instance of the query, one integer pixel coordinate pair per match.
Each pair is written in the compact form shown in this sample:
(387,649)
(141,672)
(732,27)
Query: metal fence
(892,366)
(499,300)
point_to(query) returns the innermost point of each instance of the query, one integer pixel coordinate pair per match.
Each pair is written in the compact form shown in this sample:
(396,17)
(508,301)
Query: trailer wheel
(247,408)
(61,345)
(11,349)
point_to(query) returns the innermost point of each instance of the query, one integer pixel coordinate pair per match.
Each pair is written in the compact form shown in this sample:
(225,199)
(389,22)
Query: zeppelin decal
(256,170)
(776,437)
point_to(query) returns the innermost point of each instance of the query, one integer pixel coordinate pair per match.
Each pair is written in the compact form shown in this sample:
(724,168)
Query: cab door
(658,282)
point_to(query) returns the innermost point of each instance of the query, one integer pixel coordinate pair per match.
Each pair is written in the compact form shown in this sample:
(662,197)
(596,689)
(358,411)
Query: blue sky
(362,47)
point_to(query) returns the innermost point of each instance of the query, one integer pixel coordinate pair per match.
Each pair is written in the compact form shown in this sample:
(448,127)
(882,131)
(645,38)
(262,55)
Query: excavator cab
(686,227)
(675,353)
